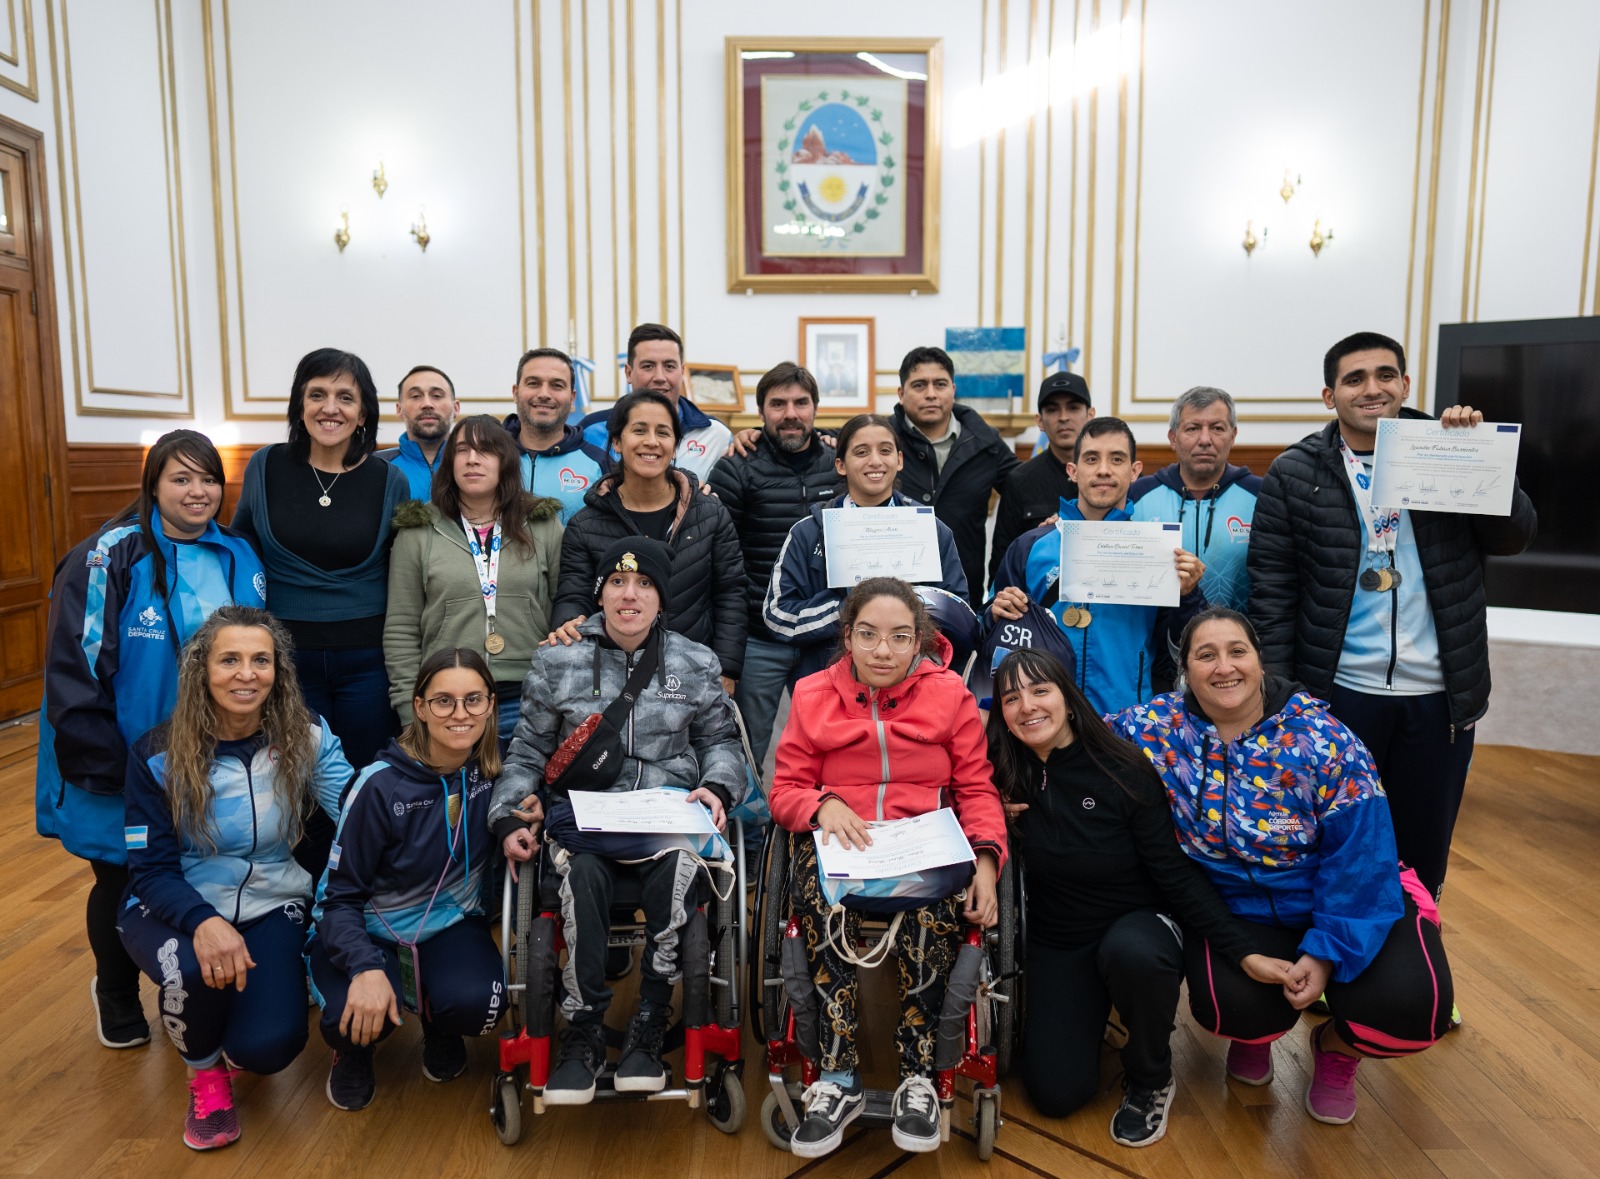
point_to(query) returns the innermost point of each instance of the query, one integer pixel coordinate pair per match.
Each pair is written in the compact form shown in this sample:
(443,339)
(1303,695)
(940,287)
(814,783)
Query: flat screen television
(1544,373)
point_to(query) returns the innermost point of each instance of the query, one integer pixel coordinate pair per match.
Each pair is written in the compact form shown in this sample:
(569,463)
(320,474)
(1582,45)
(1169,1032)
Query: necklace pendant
(324,500)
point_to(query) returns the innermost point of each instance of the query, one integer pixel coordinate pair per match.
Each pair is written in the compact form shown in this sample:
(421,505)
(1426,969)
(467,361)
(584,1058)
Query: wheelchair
(712,947)
(978,1028)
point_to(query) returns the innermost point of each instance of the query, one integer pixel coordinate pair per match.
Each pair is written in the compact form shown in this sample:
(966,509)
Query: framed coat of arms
(833,164)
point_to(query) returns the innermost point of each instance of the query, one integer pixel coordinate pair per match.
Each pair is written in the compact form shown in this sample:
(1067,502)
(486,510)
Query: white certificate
(880,542)
(1120,562)
(1425,467)
(641,812)
(898,846)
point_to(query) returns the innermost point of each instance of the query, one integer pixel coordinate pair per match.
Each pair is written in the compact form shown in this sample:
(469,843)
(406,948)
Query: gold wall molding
(617,337)
(588,186)
(22,50)
(14,53)
(1030,340)
(1420,361)
(571,164)
(983,152)
(1588,221)
(683,301)
(1416,173)
(633,187)
(1000,184)
(1478,171)
(538,167)
(1088,229)
(661,150)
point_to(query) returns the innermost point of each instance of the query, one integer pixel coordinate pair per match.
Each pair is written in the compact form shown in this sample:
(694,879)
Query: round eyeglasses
(444,706)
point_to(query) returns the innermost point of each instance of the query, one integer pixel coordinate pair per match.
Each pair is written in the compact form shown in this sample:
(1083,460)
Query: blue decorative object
(990,362)
(1063,360)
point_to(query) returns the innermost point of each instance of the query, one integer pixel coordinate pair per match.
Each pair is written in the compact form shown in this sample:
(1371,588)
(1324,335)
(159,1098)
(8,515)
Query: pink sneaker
(1250,1063)
(1332,1095)
(212,1121)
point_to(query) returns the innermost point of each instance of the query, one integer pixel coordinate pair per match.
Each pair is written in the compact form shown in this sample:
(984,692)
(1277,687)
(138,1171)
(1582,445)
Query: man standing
(556,461)
(953,458)
(428,407)
(1213,502)
(1379,611)
(655,362)
(1038,486)
(766,494)
(1115,646)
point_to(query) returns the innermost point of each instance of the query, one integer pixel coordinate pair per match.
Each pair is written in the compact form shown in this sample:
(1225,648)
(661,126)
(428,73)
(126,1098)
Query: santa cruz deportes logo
(148,625)
(833,164)
(259,584)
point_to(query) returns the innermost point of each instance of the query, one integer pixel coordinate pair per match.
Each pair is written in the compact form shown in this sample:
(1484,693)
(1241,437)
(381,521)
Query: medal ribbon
(1383,528)
(488,566)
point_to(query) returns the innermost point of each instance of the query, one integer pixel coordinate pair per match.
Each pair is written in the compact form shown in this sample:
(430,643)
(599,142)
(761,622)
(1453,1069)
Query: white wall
(198,155)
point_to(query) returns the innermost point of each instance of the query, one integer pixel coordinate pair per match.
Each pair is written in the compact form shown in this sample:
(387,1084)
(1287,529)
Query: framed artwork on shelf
(833,163)
(839,353)
(715,387)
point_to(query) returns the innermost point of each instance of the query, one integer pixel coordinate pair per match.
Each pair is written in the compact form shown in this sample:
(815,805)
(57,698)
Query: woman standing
(476,568)
(801,607)
(319,512)
(216,906)
(1106,879)
(1281,805)
(124,602)
(645,495)
(399,922)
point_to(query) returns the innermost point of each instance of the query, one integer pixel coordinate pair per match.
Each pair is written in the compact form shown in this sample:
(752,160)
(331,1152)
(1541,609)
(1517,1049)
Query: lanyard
(488,566)
(1383,528)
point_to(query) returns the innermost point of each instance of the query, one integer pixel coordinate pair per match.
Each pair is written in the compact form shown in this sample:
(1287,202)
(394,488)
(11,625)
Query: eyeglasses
(444,706)
(900,641)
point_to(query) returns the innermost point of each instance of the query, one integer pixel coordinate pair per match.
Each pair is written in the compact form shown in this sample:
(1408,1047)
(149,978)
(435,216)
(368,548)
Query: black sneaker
(583,1056)
(119,1019)
(916,1115)
(828,1110)
(619,962)
(641,1070)
(444,1057)
(1141,1119)
(351,1082)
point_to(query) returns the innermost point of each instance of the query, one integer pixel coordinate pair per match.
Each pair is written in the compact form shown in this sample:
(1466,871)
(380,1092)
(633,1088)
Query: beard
(429,429)
(789,443)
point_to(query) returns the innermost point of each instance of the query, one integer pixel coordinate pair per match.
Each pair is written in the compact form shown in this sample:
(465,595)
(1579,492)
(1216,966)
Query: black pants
(115,968)
(1398,1005)
(1136,967)
(1424,772)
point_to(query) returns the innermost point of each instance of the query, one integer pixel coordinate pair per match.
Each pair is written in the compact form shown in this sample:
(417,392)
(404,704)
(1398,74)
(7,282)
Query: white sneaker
(916,1115)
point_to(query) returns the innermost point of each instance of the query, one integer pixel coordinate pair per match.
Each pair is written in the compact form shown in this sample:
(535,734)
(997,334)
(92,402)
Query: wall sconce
(1251,241)
(341,230)
(380,182)
(419,229)
(1289,186)
(1319,237)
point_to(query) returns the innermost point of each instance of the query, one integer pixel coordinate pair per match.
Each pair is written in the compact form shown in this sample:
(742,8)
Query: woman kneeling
(216,908)
(1281,805)
(886,732)
(400,922)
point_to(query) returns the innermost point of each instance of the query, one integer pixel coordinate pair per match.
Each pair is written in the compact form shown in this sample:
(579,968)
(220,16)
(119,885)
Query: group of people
(292,749)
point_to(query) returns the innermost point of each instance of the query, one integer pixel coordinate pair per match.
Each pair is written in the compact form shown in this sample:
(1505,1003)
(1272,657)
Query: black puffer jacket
(706,596)
(1305,551)
(766,495)
(980,462)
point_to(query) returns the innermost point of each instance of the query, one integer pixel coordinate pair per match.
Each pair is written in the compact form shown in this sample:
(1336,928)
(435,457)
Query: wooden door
(30,413)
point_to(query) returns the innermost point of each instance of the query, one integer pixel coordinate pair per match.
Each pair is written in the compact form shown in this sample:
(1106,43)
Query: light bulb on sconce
(341,230)
(1319,237)
(380,182)
(1251,241)
(1289,186)
(419,229)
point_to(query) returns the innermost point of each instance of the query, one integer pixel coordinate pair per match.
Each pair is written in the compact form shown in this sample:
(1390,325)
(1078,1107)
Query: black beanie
(636,554)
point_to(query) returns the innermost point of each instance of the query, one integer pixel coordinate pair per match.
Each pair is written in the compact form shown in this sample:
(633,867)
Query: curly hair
(902,592)
(190,736)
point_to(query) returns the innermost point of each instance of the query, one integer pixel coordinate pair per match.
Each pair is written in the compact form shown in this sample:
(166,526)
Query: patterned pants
(926,942)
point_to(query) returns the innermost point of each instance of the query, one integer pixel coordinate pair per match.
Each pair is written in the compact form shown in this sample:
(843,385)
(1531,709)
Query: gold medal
(493,643)
(1084,617)
(452,808)
(1071,616)
(1385,581)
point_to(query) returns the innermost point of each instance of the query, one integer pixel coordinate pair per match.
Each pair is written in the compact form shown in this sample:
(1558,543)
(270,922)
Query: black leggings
(1398,1005)
(1136,966)
(117,972)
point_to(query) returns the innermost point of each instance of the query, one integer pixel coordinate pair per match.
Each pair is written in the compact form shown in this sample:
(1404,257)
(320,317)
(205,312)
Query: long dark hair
(414,740)
(889,587)
(1016,766)
(623,410)
(194,449)
(512,504)
(331,362)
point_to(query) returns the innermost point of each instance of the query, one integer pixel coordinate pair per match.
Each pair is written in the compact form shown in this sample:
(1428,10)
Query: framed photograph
(839,353)
(715,387)
(833,164)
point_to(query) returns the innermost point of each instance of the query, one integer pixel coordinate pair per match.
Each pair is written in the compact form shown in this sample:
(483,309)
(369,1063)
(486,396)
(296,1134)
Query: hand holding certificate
(859,543)
(1120,562)
(641,812)
(898,846)
(1423,466)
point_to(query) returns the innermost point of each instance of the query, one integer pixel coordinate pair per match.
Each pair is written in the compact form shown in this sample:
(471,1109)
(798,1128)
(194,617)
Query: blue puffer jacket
(1289,821)
(252,870)
(1215,527)
(408,459)
(1117,652)
(111,672)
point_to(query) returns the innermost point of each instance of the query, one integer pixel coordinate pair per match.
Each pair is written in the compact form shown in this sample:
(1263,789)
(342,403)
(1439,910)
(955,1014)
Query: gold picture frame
(715,388)
(841,353)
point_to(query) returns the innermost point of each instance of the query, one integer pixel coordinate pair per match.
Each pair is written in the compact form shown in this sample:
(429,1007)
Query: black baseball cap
(1064,385)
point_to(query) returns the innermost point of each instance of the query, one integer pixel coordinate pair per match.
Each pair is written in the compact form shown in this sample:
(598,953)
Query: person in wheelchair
(680,731)
(1106,879)
(886,732)
(399,920)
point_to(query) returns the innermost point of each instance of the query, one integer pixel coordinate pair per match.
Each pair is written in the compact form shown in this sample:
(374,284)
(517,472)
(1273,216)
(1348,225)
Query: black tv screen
(1544,373)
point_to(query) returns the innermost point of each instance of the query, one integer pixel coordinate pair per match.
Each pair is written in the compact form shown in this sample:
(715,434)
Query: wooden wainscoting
(103,478)
(1155,455)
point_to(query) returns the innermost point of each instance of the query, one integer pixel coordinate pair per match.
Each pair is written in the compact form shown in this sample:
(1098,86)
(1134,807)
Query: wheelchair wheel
(505,1107)
(986,1122)
(778,1131)
(772,1001)
(725,1103)
(724,920)
(1008,979)
(527,901)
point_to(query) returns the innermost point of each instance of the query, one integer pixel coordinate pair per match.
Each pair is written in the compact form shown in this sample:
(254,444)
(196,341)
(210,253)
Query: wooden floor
(1516,1092)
